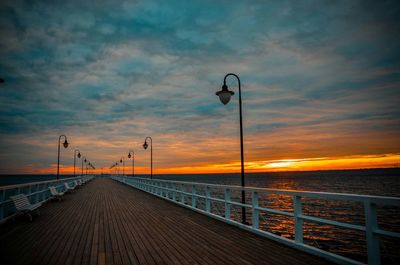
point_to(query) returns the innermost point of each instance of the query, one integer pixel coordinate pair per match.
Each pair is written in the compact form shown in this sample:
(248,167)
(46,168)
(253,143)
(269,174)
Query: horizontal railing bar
(309,194)
(331,222)
(200,196)
(269,210)
(9,187)
(45,189)
(387,233)
(274,211)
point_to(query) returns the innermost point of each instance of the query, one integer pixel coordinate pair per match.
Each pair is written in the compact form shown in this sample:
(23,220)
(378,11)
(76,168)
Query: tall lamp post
(79,156)
(83,160)
(145,145)
(225,95)
(88,163)
(132,154)
(122,161)
(65,144)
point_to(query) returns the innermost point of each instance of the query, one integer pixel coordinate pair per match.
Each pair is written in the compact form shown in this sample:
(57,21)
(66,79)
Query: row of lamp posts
(131,154)
(65,144)
(224,95)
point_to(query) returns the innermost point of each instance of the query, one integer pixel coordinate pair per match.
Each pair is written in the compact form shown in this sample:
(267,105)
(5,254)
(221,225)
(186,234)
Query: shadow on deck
(106,222)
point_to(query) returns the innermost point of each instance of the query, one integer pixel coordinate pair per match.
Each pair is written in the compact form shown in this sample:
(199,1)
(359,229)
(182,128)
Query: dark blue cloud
(120,64)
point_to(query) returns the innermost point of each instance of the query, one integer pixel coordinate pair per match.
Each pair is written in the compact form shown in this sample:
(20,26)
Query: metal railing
(35,191)
(188,194)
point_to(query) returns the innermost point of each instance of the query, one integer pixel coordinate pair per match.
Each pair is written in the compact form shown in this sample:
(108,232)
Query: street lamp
(79,156)
(145,145)
(65,144)
(83,160)
(225,95)
(132,154)
(122,161)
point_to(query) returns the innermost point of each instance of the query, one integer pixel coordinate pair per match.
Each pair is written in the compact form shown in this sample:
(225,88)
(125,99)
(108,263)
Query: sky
(320,84)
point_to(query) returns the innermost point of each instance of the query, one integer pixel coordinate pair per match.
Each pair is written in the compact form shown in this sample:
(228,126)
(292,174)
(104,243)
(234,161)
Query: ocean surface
(350,243)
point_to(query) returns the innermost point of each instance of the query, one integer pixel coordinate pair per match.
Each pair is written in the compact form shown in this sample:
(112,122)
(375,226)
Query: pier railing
(189,194)
(35,191)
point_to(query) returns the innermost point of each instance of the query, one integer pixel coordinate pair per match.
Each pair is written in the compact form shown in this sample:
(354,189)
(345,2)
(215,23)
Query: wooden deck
(106,222)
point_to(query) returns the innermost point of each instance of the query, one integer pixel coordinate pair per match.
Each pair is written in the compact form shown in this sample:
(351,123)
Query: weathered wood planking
(106,222)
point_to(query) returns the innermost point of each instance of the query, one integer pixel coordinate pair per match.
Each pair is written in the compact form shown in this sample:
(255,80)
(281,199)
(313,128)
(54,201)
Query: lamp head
(225,94)
(129,155)
(65,144)
(120,160)
(79,155)
(145,145)
(84,160)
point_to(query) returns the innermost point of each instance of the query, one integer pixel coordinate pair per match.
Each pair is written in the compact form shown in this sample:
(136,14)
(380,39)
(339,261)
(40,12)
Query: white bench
(23,205)
(77,184)
(55,193)
(68,188)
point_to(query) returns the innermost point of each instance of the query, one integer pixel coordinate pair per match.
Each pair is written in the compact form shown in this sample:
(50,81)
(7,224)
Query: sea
(345,242)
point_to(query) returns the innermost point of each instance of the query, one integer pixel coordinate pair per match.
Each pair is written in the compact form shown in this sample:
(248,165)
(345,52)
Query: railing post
(194,198)
(298,222)
(208,201)
(3,198)
(256,212)
(371,224)
(182,195)
(163,189)
(174,192)
(227,203)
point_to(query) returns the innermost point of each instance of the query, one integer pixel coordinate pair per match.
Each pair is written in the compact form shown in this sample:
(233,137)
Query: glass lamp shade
(225,94)
(79,155)
(65,144)
(145,145)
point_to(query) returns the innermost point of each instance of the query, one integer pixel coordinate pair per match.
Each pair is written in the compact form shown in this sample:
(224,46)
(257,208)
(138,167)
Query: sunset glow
(320,92)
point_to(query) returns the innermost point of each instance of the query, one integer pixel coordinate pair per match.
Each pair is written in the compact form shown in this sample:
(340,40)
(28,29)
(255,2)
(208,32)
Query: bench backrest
(66,186)
(53,190)
(20,201)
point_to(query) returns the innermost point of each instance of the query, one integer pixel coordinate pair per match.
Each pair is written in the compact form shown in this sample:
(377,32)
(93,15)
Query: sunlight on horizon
(306,164)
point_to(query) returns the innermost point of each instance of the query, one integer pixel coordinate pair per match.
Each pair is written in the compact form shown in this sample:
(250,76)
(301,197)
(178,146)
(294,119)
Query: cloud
(319,78)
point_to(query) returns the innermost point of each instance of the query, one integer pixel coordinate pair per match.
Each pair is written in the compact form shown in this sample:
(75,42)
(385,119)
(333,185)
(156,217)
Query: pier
(106,222)
(130,220)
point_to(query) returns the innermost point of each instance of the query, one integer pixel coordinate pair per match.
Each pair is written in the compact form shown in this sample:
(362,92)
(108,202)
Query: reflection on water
(342,241)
